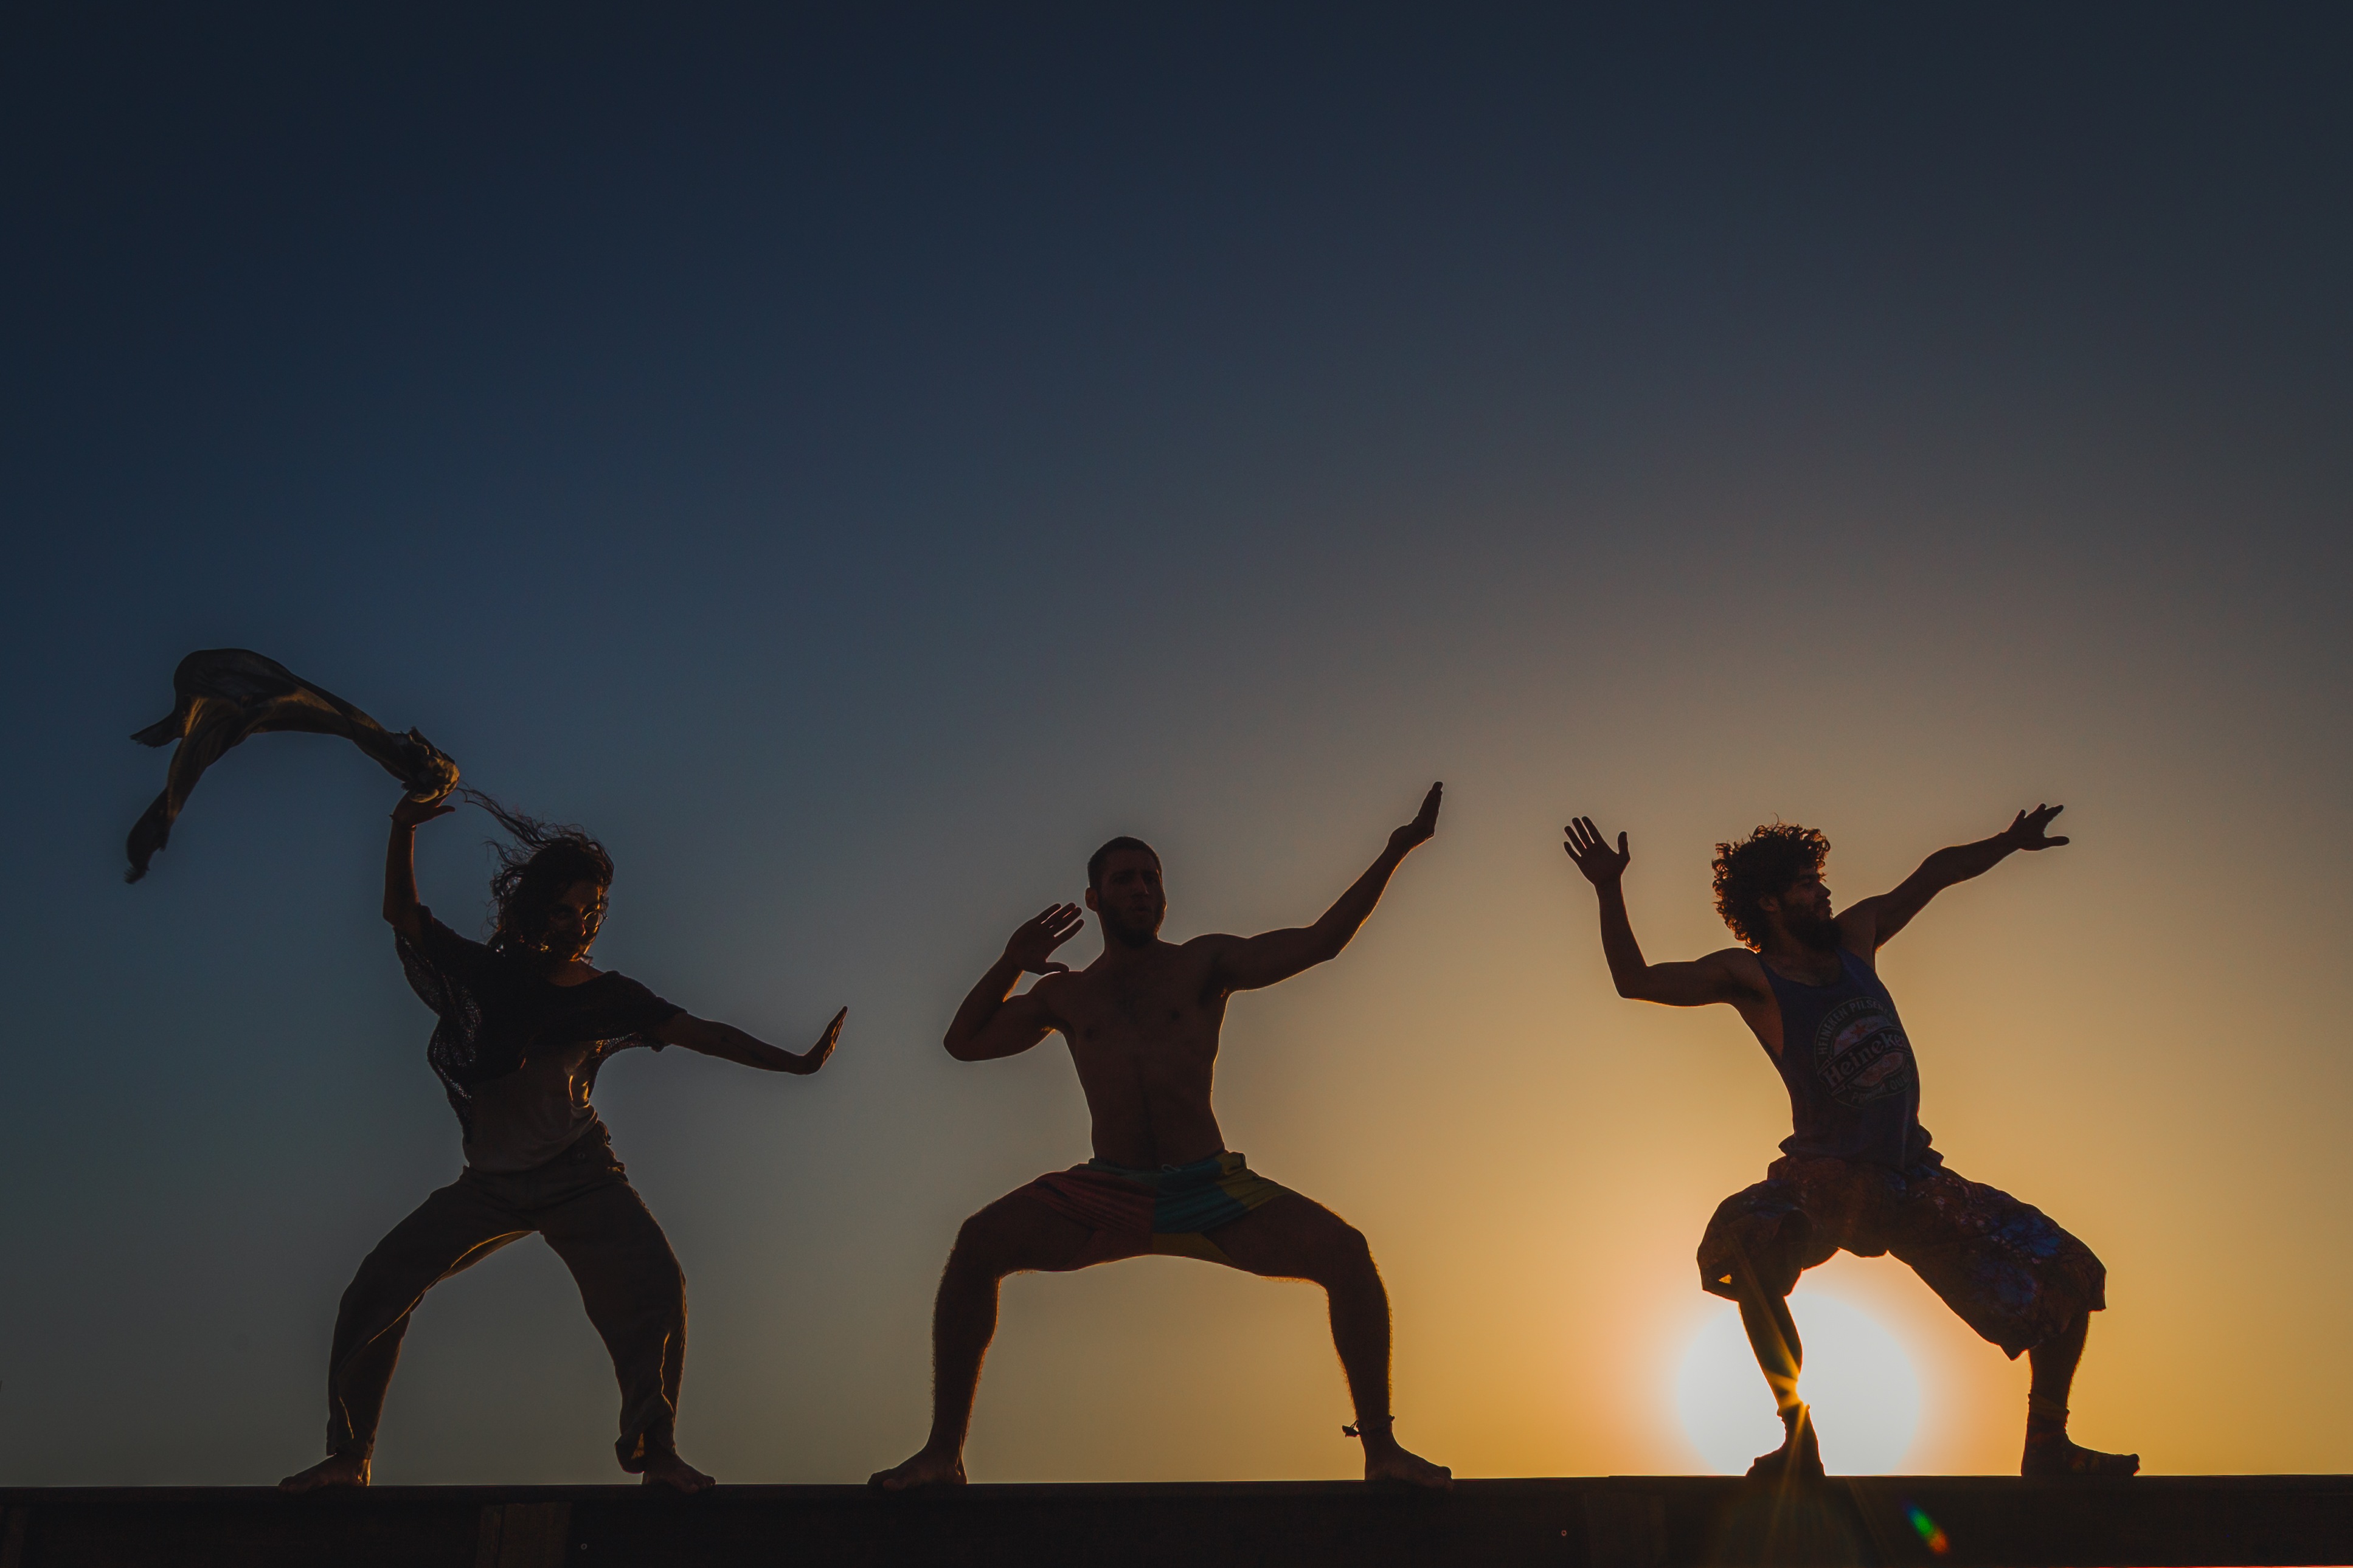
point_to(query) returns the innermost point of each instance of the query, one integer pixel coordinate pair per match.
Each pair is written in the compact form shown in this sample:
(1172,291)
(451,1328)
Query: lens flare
(1858,1378)
(1931,1536)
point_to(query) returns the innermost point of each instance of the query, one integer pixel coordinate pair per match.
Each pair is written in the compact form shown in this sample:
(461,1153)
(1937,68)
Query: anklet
(1356,1428)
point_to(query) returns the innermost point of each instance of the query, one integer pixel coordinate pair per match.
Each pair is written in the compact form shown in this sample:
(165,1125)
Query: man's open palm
(1600,864)
(2026,829)
(1424,823)
(1033,942)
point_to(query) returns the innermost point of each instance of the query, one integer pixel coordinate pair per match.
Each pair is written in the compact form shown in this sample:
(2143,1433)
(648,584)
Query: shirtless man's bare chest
(1143,1019)
(1143,1027)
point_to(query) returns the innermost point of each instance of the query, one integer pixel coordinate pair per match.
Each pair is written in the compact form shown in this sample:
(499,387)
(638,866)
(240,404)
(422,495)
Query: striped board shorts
(1168,1211)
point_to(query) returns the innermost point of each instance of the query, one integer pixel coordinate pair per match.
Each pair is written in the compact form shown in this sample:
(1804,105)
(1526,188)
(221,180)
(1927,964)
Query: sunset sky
(856,462)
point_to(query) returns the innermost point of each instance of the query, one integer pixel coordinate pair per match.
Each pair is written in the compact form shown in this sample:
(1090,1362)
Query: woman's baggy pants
(582,1202)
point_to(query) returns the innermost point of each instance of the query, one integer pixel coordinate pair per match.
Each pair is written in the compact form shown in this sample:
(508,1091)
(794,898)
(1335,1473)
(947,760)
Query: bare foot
(2055,1456)
(925,1469)
(1798,1460)
(667,1470)
(334,1470)
(1388,1462)
(1385,1461)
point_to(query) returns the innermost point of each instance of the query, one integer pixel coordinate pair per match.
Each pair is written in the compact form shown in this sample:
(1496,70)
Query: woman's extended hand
(816,1055)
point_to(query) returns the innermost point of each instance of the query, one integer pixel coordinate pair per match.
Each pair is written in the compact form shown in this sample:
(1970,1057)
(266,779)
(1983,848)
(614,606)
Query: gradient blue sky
(857,460)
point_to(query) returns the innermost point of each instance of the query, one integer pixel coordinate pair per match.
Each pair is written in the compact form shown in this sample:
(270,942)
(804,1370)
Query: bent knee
(981,1247)
(1343,1256)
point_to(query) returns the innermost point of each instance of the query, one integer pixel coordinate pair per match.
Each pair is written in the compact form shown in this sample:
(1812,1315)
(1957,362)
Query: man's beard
(1127,935)
(1815,934)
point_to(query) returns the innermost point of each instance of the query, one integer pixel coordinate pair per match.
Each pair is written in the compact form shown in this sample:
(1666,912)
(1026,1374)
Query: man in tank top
(1857,1173)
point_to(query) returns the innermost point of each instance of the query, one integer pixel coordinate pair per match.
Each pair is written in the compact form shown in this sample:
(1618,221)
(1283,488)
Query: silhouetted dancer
(1142,1022)
(1857,1173)
(524,1023)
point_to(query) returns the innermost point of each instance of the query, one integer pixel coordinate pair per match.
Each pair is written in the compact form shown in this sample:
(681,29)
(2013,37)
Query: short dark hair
(1765,865)
(1095,861)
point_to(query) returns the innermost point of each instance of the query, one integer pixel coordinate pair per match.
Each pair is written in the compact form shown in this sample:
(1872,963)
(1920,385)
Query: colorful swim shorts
(1133,1213)
(2003,1265)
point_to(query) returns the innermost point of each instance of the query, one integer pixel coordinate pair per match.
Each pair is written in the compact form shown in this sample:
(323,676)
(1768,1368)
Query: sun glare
(1860,1383)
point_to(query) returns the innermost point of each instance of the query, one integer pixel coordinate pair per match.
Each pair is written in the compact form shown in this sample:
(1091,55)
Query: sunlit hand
(411,811)
(1600,864)
(1424,823)
(1034,939)
(819,1054)
(2026,829)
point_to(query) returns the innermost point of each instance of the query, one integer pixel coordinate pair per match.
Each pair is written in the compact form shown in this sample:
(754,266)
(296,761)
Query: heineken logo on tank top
(1861,1052)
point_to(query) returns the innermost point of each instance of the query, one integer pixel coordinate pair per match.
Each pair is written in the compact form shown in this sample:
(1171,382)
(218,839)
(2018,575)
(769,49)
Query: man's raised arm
(993,1021)
(1882,917)
(1246,963)
(1695,985)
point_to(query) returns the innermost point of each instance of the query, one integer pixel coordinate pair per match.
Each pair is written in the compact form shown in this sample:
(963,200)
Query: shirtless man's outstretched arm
(1252,963)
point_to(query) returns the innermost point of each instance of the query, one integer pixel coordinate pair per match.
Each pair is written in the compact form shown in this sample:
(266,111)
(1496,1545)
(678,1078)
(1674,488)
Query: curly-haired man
(1857,1173)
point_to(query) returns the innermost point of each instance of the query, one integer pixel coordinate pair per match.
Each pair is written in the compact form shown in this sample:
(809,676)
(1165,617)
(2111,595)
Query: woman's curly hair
(545,859)
(1763,866)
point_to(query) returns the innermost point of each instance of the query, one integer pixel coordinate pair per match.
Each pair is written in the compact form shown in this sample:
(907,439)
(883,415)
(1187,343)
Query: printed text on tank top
(1855,1087)
(1860,1051)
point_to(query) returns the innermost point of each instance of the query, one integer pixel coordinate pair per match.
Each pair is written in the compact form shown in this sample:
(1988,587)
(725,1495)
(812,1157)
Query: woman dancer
(525,1020)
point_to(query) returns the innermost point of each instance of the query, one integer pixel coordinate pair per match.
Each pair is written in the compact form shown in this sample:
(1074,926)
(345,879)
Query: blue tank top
(1854,1089)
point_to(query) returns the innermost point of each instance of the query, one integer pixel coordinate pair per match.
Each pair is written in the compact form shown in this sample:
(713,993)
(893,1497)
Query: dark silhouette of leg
(1012,1235)
(1780,1356)
(635,1294)
(1970,1243)
(2049,1451)
(453,1229)
(1294,1237)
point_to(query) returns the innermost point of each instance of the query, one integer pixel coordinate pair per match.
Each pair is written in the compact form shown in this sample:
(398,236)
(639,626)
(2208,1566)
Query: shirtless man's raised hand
(1141,1023)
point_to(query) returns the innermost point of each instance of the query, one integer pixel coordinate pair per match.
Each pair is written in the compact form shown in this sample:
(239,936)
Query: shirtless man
(1857,1173)
(524,1023)
(1142,1022)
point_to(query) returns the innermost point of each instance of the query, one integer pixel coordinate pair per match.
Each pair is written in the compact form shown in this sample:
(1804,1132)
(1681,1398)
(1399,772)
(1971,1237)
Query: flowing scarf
(224,694)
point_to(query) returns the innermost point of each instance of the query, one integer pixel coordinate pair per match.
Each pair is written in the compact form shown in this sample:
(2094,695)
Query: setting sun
(1859,1379)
